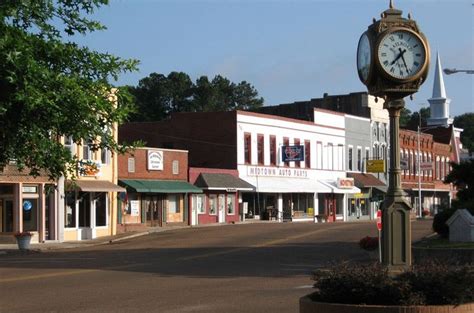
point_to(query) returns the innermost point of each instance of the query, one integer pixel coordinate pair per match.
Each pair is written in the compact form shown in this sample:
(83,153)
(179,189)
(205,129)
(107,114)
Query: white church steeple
(439,103)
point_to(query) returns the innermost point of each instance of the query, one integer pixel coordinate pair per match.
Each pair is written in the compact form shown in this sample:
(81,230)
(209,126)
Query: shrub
(425,284)
(439,222)
(369,243)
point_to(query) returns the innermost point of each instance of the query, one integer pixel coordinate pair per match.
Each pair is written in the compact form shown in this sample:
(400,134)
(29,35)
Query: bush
(426,284)
(439,222)
(369,243)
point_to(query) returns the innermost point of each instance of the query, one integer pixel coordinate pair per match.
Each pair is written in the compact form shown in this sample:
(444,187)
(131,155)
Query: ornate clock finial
(391,4)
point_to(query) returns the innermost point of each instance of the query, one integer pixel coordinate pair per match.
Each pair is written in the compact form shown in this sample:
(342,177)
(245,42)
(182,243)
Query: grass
(440,243)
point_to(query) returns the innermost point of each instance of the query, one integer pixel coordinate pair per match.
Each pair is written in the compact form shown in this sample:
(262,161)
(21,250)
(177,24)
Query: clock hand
(405,63)
(399,56)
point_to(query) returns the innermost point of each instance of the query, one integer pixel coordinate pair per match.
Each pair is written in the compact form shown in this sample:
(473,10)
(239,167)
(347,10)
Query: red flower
(22,234)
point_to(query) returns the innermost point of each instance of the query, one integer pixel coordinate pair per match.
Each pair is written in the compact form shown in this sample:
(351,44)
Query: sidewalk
(54,245)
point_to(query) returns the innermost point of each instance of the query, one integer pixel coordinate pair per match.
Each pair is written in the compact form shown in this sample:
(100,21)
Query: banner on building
(375,166)
(292,153)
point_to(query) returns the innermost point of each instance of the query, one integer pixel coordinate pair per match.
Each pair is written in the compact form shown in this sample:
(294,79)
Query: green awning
(158,186)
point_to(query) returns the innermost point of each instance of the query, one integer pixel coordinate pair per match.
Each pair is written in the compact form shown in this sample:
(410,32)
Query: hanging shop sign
(375,166)
(155,160)
(292,153)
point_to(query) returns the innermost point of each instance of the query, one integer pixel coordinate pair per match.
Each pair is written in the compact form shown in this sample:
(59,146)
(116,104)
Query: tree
(466,122)
(52,87)
(404,117)
(409,120)
(158,96)
(462,176)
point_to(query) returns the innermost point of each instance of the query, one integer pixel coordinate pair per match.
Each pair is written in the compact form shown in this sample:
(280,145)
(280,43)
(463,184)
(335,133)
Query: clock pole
(393,65)
(396,230)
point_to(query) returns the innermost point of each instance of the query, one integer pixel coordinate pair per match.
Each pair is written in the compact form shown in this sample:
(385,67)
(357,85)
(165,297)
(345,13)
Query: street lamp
(449,71)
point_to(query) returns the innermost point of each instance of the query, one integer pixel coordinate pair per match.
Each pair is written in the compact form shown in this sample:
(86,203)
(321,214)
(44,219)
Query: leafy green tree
(52,87)
(466,122)
(404,117)
(462,176)
(158,96)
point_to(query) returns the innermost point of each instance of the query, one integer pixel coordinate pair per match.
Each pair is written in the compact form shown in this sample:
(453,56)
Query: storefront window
(101,209)
(212,204)
(231,204)
(201,209)
(173,205)
(30,214)
(70,208)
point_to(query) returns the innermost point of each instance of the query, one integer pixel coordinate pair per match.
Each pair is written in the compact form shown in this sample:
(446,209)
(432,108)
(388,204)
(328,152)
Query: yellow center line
(260,245)
(67,273)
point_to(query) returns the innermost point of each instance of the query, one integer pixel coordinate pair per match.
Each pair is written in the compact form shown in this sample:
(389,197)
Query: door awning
(220,181)
(158,186)
(94,186)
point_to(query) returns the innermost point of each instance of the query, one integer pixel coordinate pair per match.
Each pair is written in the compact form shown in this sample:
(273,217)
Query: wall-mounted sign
(29,189)
(375,166)
(345,183)
(89,168)
(292,153)
(134,208)
(155,160)
(262,171)
(426,166)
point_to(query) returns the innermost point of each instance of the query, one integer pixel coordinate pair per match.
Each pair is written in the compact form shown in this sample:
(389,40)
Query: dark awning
(363,180)
(94,186)
(220,181)
(159,186)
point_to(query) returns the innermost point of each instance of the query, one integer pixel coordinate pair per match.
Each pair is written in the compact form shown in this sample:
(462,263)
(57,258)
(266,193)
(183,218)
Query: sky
(288,50)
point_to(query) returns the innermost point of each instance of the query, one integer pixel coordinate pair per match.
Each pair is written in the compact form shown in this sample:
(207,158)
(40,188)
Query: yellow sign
(358,195)
(375,166)
(310,211)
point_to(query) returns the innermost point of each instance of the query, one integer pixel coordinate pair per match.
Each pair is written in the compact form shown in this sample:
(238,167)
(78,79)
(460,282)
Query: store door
(221,206)
(85,230)
(154,209)
(331,208)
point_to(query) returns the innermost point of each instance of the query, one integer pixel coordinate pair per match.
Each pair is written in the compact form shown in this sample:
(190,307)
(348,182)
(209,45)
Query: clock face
(364,57)
(401,54)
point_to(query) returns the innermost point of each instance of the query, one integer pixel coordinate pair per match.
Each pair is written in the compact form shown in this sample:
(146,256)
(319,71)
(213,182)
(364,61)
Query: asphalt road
(232,268)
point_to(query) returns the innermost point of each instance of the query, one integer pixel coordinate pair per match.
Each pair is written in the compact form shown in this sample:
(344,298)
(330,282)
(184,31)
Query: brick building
(158,192)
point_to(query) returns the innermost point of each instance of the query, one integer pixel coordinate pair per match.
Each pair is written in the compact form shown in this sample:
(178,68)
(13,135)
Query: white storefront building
(315,188)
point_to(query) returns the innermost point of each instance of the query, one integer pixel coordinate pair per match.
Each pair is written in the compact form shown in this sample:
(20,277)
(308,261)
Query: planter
(23,242)
(309,306)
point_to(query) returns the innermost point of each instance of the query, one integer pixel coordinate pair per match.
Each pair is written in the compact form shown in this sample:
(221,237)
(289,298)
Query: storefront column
(316,207)
(59,207)
(113,213)
(19,207)
(41,213)
(345,207)
(280,207)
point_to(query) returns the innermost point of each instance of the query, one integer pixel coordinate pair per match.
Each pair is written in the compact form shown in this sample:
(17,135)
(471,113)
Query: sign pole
(379,228)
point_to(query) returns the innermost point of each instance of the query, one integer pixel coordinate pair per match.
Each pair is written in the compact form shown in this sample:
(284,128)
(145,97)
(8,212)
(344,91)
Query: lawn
(438,242)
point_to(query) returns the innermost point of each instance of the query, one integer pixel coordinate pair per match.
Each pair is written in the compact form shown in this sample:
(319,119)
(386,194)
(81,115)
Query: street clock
(393,56)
